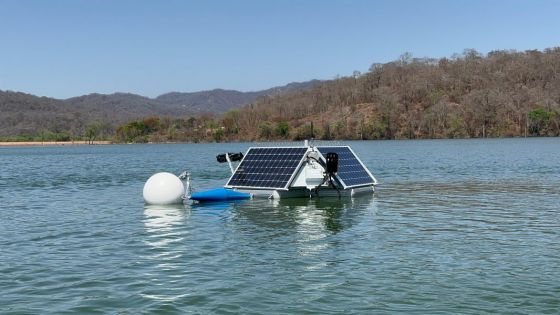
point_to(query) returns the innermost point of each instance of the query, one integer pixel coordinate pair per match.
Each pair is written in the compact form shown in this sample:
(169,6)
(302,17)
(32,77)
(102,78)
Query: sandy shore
(49,143)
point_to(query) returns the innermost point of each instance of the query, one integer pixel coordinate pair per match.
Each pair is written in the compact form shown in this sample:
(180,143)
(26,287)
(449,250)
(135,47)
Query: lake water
(456,227)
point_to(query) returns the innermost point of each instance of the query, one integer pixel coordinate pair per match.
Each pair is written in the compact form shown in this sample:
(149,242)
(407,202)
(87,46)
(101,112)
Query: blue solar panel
(267,168)
(350,169)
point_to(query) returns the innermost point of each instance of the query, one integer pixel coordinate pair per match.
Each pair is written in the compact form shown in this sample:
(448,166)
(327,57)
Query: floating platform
(304,171)
(219,194)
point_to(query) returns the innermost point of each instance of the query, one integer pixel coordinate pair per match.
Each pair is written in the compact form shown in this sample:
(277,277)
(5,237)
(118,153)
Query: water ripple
(460,227)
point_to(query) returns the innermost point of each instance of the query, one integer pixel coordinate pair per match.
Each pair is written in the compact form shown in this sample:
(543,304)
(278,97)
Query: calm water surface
(457,227)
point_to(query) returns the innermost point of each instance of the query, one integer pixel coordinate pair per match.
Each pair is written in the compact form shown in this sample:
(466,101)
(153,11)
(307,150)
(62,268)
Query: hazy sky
(69,48)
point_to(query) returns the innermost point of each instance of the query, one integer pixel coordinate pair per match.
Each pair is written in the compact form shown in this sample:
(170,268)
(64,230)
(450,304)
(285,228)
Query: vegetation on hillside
(502,94)
(26,116)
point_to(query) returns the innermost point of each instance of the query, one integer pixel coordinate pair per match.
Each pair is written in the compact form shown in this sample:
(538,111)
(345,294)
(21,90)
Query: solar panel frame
(248,156)
(345,186)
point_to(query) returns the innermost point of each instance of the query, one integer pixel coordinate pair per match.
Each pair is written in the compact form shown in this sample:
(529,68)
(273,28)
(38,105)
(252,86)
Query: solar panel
(350,169)
(267,168)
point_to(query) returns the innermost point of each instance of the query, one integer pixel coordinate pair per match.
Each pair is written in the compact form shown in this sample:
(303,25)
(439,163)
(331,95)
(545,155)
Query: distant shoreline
(76,143)
(50,143)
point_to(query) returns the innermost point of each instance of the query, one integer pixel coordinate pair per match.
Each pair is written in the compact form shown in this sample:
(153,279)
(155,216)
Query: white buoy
(163,189)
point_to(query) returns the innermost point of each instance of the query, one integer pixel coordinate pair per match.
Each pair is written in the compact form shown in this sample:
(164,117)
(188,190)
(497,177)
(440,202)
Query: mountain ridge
(24,113)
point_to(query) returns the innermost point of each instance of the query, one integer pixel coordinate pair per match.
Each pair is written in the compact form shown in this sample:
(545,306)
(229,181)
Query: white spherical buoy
(163,189)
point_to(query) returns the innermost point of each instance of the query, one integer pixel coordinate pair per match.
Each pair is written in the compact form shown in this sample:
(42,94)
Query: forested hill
(26,114)
(469,95)
(501,94)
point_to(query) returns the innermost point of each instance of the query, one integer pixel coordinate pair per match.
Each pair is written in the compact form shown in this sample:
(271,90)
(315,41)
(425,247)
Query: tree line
(469,95)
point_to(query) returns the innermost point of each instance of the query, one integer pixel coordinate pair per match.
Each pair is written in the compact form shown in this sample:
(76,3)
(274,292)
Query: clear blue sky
(74,47)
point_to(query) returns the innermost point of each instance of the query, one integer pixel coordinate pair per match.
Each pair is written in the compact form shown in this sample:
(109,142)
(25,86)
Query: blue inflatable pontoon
(219,194)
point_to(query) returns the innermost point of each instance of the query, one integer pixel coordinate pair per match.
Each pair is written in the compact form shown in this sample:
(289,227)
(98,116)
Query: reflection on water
(328,215)
(163,225)
(305,223)
(158,218)
(458,226)
(165,234)
(216,207)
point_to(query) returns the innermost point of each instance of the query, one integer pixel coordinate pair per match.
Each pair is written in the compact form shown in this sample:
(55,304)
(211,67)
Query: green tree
(538,121)
(134,131)
(217,134)
(92,131)
(282,129)
(265,130)
(304,132)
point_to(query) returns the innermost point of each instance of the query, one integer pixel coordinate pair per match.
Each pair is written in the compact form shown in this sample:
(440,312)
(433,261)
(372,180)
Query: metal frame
(375,182)
(270,188)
